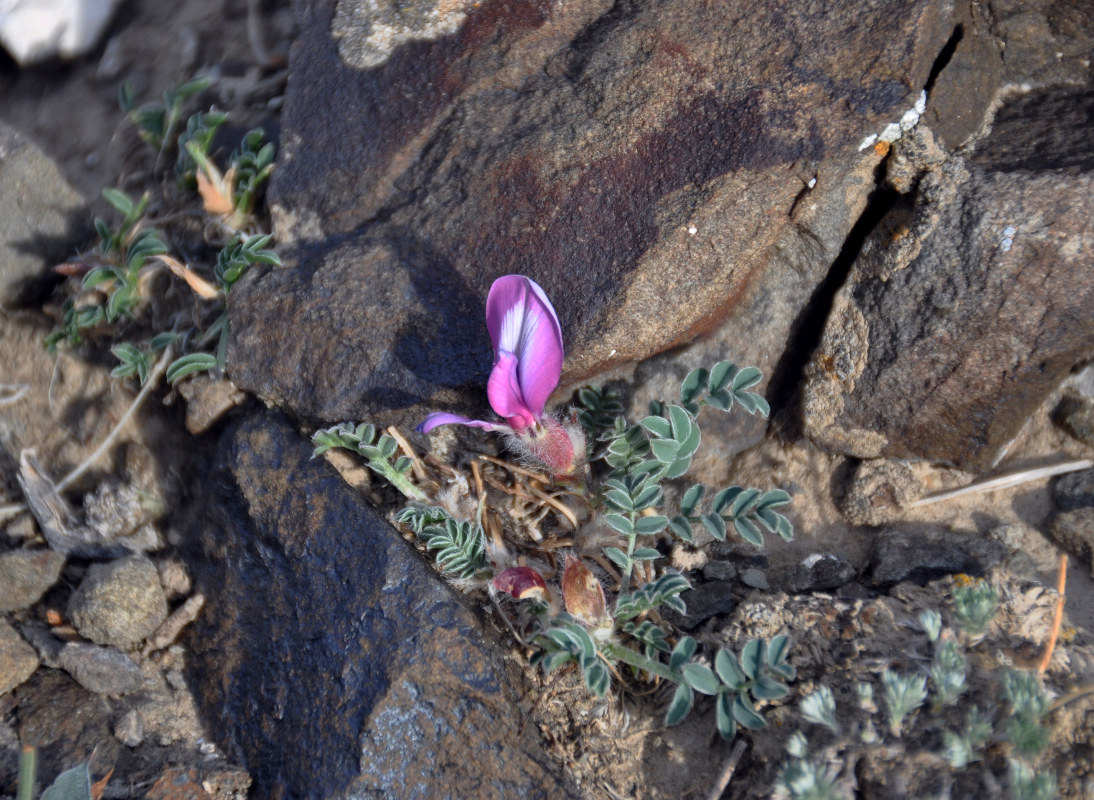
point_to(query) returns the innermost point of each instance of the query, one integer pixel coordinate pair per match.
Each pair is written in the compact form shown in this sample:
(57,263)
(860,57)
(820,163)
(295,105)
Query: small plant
(975,603)
(135,361)
(1029,706)
(1025,785)
(377,449)
(598,631)
(931,622)
(459,546)
(157,122)
(112,282)
(800,778)
(961,749)
(903,695)
(820,707)
(232,195)
(948,673)
(200,131)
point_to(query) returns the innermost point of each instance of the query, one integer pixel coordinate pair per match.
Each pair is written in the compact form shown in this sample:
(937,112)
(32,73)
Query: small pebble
(756,578)
(128,729)
(17,658)
(26,575)
(119,603)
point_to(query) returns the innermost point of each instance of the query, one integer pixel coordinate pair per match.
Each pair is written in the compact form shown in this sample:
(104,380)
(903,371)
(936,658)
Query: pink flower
(527,365)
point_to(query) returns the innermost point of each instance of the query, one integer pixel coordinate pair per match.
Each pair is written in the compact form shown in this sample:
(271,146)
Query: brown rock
(312,594)
(643,163)
(968,307)
(25,575)
(17,658)
(1074,531)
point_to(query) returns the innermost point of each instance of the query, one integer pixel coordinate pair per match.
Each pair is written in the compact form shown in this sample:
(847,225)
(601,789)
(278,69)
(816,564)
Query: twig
(1057,618)
(18,390)
(1077,693)
(555,504)
(153,379)
(728,769)
(1004,482)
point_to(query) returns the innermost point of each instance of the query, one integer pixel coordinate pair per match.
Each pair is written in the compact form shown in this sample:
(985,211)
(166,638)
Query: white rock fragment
(894,130)
(36,30)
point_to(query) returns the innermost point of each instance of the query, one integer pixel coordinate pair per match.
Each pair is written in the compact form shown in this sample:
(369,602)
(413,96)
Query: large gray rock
(41,217)
(972,301)
(651,165)
(330,659)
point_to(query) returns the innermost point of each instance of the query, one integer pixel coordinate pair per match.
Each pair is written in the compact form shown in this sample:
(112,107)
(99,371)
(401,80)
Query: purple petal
(522,321)
(444,418)
(504,392)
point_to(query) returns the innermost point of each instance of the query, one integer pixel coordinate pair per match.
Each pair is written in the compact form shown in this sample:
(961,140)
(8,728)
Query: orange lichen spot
(881,149)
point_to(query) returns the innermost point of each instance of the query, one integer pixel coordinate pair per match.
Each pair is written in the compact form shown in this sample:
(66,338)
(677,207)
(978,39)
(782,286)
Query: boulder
(971,302)
(311,595)
(41,218)
(657,168)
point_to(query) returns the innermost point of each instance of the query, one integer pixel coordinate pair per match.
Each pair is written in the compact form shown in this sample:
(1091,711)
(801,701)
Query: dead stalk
(726,775)
(1057,618)
(153,379)
(1004,482)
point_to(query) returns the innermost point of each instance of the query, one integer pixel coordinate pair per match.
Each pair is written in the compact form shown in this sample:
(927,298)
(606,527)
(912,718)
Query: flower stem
(634,659)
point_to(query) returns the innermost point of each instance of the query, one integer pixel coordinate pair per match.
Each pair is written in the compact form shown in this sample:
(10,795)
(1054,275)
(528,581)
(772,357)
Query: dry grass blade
(153,379)
(1005,481)
(1057,617)
(202,288)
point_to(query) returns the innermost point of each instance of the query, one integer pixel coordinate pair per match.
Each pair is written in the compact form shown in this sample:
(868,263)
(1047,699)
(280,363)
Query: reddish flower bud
(522,583)
(583,594)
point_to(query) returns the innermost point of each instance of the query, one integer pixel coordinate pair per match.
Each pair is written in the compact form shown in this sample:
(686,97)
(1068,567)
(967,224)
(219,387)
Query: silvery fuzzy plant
(575,623)
(1017,727)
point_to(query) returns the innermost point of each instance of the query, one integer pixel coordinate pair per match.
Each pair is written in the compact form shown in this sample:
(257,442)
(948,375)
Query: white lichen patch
(894,130)
(369,31)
